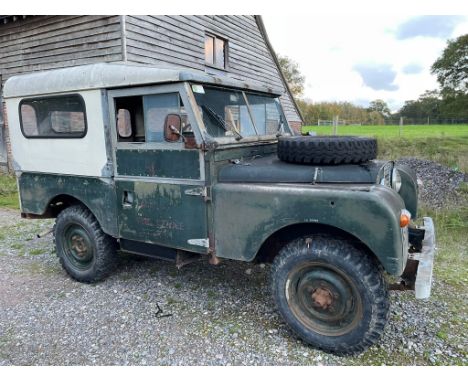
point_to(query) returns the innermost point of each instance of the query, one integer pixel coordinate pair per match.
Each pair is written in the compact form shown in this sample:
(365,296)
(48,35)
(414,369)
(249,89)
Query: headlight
(396,180)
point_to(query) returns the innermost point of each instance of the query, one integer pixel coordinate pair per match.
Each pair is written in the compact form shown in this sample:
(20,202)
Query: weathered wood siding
(180,41)
(47,42)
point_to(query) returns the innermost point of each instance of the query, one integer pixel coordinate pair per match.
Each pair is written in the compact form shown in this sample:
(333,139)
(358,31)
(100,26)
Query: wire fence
(392,128)
(338,121)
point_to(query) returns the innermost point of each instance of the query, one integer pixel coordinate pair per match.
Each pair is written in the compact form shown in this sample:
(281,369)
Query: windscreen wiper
(220,120)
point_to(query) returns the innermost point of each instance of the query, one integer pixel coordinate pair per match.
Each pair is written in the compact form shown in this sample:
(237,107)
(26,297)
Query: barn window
(215,51)
(53,117)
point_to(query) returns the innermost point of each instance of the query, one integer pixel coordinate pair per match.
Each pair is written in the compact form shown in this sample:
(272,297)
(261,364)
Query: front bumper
(417,275)
(425,257)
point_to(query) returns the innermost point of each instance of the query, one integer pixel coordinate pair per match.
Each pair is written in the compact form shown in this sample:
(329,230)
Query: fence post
(335,124)
(401,125)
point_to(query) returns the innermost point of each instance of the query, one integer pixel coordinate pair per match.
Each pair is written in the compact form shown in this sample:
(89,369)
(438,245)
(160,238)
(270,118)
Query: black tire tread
(366,267)
(327,150)
(105,245)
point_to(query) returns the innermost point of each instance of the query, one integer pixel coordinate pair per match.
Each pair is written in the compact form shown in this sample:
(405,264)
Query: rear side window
(53,117)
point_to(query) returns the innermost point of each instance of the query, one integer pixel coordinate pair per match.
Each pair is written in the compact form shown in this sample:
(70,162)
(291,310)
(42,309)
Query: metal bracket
(199,191)
(199,242)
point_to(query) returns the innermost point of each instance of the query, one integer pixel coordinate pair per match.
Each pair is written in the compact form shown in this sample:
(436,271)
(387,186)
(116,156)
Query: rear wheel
(86,253)
(331,294)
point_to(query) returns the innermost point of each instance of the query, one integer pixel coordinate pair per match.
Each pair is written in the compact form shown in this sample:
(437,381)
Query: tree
(379,106)
(292,74)
(451,68)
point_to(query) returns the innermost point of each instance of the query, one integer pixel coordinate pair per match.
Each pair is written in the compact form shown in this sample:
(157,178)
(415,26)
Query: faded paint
(38,190)
(246,215)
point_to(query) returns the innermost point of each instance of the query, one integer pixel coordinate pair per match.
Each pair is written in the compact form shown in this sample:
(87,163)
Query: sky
(363,57)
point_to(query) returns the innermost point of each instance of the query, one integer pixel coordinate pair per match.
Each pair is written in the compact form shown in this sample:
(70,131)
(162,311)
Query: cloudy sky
(360,58)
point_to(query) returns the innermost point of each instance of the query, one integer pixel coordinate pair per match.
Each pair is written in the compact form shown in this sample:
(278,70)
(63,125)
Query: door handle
(127,201)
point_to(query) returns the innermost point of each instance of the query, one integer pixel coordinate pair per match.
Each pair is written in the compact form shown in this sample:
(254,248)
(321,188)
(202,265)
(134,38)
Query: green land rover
(186,166)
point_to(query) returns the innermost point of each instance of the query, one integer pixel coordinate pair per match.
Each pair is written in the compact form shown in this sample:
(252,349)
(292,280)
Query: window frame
(215,37)
(65,135)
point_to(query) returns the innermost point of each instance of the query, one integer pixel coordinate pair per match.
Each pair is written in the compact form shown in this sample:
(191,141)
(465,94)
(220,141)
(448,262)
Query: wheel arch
(278,239)
(60,202)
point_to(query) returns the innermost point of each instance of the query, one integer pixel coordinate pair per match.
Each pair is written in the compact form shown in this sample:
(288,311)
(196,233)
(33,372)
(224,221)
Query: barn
(231,46)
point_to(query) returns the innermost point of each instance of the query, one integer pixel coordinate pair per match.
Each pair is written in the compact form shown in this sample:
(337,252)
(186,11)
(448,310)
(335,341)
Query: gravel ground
(150,313)
(440,183)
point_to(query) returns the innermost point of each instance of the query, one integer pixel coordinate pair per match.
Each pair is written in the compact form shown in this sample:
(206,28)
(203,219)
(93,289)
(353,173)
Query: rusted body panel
(247,214)
(37,191)
(166,214)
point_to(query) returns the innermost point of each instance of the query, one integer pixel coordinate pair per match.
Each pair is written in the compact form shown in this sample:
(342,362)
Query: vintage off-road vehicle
(183,166)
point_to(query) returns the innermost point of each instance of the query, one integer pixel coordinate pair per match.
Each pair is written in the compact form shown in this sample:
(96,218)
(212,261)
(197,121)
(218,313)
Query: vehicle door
(159,171)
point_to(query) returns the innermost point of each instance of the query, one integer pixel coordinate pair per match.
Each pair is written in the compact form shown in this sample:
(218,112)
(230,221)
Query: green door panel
(247,214)
(165,163)
(162,213)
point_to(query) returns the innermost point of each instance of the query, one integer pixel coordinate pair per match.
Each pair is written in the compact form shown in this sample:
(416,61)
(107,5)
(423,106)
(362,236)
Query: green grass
(8,192)
(446,144)
(394,131)
(450,151)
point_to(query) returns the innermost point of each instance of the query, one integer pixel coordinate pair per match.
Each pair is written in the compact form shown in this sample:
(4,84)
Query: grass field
(446,144)
(394,131)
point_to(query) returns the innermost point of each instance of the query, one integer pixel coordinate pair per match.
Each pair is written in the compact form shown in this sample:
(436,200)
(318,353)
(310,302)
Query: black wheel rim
(323,299)
(77,246)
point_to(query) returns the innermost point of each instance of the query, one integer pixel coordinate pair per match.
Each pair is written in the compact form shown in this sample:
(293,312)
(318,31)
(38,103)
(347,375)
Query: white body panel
(74,156)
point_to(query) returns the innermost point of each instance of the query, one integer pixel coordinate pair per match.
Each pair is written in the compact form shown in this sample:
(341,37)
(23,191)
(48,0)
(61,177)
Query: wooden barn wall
(48,42)
(179,41)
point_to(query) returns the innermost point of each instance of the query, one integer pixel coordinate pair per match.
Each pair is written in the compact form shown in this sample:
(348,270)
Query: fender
(37,190)
(247,214)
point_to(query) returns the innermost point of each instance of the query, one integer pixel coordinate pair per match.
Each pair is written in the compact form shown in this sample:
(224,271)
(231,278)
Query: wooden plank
(156,57)
(55,48)
(165,51)
(63,64)
(47,55)
(162,31)
(75,56)
(197,52)
(67,26)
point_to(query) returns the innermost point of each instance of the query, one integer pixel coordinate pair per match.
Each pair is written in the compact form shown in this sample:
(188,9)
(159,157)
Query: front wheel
(331,294)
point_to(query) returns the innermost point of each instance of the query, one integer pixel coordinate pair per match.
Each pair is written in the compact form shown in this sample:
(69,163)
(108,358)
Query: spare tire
(326,149)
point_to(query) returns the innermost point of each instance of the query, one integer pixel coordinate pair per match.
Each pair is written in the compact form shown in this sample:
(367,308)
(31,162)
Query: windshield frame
(229,140)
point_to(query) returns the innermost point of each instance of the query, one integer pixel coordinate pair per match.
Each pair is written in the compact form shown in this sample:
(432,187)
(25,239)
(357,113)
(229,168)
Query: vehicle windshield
(239,114)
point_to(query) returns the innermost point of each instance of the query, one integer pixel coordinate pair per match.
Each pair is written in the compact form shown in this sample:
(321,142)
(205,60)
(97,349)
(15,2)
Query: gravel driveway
(150,313)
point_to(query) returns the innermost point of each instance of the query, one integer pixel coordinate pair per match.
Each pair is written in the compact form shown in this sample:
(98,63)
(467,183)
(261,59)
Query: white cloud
(329,48)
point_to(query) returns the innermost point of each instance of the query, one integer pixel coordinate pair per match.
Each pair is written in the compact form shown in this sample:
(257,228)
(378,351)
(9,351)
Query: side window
(130,125)
(159,110)
(53,117)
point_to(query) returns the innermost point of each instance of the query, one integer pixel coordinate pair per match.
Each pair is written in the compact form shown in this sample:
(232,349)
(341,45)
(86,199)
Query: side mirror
(124,123)
(172,127)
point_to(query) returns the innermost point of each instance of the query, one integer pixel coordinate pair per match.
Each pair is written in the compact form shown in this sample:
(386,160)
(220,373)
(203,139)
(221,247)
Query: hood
(271,170)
